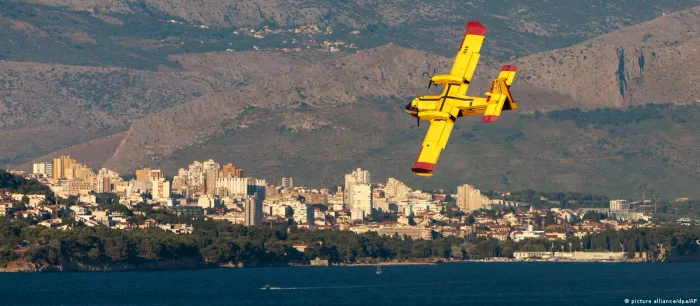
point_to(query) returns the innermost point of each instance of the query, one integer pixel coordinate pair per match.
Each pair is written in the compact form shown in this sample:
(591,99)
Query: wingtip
(490,118)
(509,68)
(423,169)
(476,28)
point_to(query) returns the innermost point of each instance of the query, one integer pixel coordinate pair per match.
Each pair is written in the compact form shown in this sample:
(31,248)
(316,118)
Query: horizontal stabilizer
(499,97)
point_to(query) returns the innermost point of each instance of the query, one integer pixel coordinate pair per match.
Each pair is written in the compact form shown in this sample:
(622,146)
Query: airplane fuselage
(451,102)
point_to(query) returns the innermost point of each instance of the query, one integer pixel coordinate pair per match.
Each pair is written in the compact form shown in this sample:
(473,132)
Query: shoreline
(386,264)
(30,268)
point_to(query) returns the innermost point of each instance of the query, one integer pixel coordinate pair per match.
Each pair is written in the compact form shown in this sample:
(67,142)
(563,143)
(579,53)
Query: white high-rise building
(470,198)
(357,214)
(160,189)
(235,187)
(43,168)
(303,213)
(105,180)
(210,165)
(39,168)
(197,171)
(361,198)
(619,205)
(195,174)
(396,190)
(253,211)
(358,176)
(287,182)
(257,187)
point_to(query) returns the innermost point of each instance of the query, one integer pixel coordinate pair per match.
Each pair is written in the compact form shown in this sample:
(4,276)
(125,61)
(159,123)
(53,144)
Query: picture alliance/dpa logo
(661,301)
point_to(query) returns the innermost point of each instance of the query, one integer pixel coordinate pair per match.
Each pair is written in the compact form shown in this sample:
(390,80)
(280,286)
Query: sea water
(478,283)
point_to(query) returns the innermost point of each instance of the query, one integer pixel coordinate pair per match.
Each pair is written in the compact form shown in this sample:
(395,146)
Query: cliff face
(681,253)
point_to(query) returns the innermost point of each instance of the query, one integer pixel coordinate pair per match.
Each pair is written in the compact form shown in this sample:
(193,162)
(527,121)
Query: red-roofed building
(499,228)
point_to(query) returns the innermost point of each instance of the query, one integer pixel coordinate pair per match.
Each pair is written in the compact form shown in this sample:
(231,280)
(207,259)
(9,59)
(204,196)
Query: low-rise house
(554,235)
(177,228)
(502,236)
(51,223)
(300,246)
(499,229)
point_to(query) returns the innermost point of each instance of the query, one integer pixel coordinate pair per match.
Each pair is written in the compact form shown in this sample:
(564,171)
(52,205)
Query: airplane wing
(465,61)
(435,140)
(468,55)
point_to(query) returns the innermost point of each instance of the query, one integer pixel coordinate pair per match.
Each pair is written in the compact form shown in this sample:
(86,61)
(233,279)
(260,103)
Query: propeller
(430,78)
(413,111)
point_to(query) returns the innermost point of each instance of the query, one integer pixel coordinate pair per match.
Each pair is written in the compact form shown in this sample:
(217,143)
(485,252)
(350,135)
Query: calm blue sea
(445,284)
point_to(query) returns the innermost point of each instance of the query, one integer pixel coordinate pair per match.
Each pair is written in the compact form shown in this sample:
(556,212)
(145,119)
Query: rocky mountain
(311,113)
(650,62)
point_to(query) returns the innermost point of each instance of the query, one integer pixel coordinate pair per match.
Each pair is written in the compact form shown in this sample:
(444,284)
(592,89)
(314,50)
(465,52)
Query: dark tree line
(611,116)
(220,242)
(559,199)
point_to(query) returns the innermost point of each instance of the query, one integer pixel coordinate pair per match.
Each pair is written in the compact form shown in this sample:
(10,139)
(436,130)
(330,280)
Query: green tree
(549,218)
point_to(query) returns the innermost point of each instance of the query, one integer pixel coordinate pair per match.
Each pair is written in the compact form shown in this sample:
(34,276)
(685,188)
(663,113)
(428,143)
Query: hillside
(49,107)
(610,151)
(136,34)
(358,13)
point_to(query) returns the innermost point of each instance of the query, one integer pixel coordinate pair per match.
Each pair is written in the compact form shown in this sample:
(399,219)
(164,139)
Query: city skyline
(208,185)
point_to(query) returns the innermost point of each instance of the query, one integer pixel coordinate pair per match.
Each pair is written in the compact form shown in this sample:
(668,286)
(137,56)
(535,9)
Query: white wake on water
(311,288)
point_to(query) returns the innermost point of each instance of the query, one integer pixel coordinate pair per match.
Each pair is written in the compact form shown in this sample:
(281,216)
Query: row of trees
(562,199)
(611,116)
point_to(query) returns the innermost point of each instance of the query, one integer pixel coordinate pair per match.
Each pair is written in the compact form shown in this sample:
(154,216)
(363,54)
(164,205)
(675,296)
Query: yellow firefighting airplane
(442,110)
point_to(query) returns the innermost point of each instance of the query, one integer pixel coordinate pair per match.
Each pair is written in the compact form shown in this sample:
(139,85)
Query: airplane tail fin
(499,97)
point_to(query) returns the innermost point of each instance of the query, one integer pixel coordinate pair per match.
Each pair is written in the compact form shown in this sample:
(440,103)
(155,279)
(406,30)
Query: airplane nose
(410,109)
